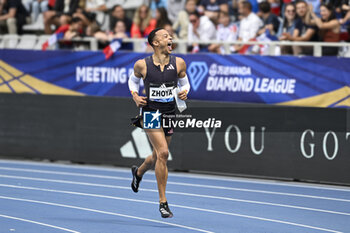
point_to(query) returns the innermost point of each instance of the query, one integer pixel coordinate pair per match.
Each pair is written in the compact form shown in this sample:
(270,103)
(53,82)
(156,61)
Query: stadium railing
(90,43)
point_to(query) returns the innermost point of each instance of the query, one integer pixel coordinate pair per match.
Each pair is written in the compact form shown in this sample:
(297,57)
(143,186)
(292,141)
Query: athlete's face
(164,40)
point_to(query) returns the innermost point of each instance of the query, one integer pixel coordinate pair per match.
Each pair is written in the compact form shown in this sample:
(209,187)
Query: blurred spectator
(337,4)
(171,31)
(97,8)
(27,4)
(329,28)
(270,21)
(13,15)
(284,4)
(249,25)
(201,28)
(226,31)
(90,24)
(346,18)
(303,31)
(92,29)
(233,9)
(315,5)
(89,14)
(288,22)
(345,7)
(174,7)
(60,15)
(74,29)
(35,7)
(254,3)
(162,17)
(143,22)
(287,26)
(181,24)
(155,4)
(275,7)
(117,14)
(212,8)
(119,32)
(93,9)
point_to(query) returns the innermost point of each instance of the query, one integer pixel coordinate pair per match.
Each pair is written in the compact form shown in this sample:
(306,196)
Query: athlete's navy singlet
(159,85)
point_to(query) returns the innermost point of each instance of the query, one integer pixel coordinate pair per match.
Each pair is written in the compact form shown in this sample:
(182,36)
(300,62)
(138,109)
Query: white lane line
(39,223)
(176,193)
(178,183)
(105,212)
(173,205)
(184,175)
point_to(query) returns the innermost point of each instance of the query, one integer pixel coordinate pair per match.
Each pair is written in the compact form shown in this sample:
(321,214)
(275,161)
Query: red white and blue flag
(53,40)
(266,37)
(259,49)
(112,48)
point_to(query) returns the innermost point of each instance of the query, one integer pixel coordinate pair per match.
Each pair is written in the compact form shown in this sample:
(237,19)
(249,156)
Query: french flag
(112,48)
(52,40)
(265,37)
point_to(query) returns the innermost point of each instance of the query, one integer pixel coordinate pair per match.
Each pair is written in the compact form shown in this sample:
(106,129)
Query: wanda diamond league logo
(197,71)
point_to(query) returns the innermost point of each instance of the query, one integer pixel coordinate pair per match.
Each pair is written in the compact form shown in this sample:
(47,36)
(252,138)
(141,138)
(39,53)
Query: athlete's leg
(147,164)
(150,161)
(159,143)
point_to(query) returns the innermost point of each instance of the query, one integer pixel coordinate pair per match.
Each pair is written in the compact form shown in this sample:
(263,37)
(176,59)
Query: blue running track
(38,197)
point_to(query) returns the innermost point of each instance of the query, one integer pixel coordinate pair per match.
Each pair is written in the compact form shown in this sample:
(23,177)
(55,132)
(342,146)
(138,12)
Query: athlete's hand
(140,100)
(183,95)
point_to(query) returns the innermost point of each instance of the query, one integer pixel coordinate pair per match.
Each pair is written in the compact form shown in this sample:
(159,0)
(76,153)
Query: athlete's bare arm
(140,71)
(181,69)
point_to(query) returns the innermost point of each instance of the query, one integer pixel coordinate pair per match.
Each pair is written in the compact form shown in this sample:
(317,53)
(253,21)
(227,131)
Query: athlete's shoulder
(180,63)
(140,68)
(141,63)
(179,60)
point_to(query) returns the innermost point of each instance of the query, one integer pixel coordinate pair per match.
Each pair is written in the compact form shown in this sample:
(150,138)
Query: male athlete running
(160,72)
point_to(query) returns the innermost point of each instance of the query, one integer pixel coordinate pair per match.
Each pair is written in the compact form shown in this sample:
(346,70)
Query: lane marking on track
(39,223)
(173,205)
(187,175)
(177,193)
(104,212)
(177,183)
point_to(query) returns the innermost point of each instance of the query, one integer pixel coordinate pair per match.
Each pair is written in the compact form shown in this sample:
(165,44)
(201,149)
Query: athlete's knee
(163,154)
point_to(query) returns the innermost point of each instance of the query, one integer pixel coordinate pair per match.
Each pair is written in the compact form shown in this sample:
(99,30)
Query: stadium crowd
(191,20)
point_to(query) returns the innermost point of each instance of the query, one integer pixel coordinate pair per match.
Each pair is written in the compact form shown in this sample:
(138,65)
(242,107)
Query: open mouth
(170,46)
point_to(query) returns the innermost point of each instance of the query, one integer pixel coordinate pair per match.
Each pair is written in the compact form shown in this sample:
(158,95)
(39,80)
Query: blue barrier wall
(299,81)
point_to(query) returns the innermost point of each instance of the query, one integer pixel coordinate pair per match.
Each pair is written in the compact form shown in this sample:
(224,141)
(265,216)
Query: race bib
(161,92)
